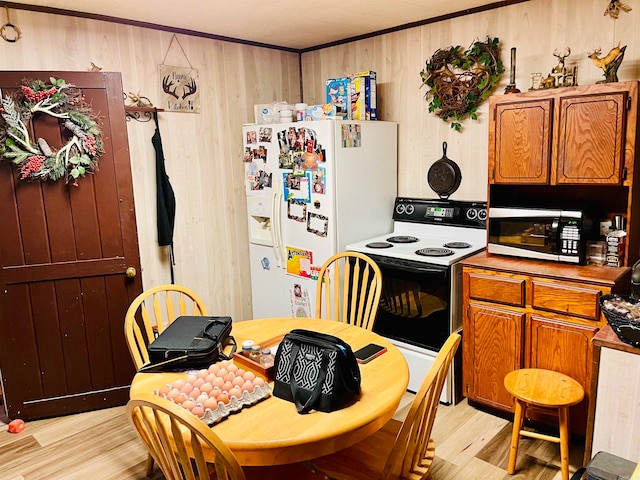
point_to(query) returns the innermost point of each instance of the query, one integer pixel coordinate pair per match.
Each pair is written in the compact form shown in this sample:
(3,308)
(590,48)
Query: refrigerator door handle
(274,225)
(279,197)
(276,236)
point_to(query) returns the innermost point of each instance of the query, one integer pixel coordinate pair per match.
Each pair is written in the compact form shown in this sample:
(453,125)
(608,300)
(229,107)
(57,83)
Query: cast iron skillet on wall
(444,176)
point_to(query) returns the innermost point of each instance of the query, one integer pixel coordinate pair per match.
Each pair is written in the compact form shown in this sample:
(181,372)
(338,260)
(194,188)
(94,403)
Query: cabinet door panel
(565,348)
(493,349)
(520,152)
(591,136)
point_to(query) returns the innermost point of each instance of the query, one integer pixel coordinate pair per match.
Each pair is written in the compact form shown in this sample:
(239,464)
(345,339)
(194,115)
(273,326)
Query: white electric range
(421,300)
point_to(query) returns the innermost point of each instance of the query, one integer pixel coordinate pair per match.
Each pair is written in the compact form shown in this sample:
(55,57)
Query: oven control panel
(442,211)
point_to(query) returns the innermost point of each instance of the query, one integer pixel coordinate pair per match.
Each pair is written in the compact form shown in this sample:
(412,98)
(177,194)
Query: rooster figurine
(615,7)
(609,63)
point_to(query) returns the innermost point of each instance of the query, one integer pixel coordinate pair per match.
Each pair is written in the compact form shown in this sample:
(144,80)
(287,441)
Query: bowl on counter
(623,314)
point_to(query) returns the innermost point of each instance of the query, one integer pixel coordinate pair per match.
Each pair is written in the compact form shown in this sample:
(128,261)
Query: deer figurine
(560,56)
(609,63)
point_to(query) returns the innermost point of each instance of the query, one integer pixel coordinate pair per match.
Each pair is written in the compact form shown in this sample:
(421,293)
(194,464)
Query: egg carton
(235,404)
(223,410)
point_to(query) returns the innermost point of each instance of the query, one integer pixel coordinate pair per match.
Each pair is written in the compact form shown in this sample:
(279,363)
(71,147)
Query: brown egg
(198,411)
(227,386)
(237,381)
(188,404)
(173,393)
(247,386)
(222,372)
(258,382)
(195,393)
(164,390)
(218,382)
(214,368)
(203,397)
(223,397)
(203,373)
(210,403)
(198,382)
(191,378)
(187,388)
(249,376)
(232,368)
(235,392)
(178,384)
(206,387)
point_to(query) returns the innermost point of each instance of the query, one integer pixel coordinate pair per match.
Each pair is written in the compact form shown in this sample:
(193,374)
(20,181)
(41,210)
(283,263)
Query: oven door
(415,305)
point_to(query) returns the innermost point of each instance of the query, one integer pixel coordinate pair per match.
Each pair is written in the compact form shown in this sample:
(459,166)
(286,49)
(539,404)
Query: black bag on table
(316,371)
(190,342)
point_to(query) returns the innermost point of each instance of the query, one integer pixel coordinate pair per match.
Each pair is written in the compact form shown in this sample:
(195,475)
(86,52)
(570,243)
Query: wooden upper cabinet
(565,136)
(591,134)
(521,150)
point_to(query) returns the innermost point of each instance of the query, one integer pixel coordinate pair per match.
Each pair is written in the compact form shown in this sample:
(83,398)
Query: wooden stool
(543,389)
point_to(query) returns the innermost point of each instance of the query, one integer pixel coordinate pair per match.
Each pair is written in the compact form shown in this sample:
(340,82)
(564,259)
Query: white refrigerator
(312,187)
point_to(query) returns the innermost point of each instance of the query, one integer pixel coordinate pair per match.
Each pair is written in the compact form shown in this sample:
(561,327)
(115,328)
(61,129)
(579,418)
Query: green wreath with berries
(36,159)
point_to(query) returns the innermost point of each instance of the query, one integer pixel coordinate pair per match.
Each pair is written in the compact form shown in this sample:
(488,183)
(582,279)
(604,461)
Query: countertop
(593,274)
(606,337)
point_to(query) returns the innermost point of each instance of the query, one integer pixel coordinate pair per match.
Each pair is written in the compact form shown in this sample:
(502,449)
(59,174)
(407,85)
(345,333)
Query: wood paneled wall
(536,28)
(204,151)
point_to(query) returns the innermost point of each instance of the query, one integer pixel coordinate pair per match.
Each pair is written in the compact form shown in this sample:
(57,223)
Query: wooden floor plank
(102,445)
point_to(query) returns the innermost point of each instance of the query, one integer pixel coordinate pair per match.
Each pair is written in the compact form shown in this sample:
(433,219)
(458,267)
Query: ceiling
(289,24)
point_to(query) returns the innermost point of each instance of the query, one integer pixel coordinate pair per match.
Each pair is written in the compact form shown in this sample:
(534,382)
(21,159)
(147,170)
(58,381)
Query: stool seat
(544,389)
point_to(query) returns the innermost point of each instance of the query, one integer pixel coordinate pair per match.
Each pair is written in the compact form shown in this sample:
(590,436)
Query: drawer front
(566,299)
(491,288)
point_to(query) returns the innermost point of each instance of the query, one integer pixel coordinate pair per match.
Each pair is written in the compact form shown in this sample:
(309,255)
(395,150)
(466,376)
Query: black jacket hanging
(166,199)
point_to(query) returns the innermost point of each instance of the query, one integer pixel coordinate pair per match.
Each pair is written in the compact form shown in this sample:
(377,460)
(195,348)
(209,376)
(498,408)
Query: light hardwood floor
(470,444)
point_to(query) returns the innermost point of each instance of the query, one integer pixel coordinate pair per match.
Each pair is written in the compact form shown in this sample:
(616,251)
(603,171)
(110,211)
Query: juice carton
(338,95)
(363,96)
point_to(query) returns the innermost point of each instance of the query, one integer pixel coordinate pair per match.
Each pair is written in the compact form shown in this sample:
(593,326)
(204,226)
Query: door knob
(131,272)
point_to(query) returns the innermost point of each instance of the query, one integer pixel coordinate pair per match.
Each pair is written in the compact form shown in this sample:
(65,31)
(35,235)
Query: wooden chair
(151,312)
(400,450)
(184,447)
(348,289)
(551,391)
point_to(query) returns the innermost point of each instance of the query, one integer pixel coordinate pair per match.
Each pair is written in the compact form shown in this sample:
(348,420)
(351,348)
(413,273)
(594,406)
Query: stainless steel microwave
(539,234)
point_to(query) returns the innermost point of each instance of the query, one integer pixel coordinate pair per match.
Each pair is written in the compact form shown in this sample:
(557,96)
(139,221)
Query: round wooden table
(271,432)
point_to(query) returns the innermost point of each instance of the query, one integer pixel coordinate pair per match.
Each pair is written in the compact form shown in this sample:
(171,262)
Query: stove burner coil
(402,239)
(379,245)
(434,252)
(457,245)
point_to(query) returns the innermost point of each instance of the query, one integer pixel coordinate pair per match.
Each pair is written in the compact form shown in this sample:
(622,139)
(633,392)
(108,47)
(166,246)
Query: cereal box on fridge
(363,96)
(338,95)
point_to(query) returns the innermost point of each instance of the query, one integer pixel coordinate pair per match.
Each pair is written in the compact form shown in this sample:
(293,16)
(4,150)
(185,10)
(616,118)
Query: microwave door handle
(556,231)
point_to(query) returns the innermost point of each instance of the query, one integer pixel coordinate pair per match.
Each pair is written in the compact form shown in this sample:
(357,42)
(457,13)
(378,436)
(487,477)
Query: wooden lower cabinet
(494,348)
(564,347)
(531,314)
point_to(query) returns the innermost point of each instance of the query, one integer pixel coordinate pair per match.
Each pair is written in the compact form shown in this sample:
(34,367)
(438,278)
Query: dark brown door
(64,251)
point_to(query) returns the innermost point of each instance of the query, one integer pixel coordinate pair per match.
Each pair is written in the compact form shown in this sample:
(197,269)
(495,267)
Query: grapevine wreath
(37,160)
(458,81)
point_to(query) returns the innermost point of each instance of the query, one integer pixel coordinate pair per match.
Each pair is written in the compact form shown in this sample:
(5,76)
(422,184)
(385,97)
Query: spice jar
(256,353)
(267,359)
(246,347)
